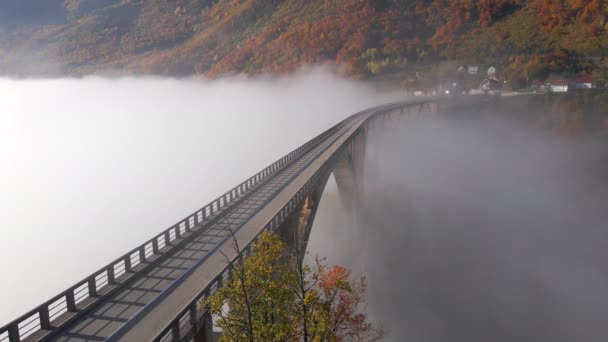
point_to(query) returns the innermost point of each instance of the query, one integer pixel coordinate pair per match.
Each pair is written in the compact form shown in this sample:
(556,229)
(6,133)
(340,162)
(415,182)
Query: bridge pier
(348,171)
(295,230)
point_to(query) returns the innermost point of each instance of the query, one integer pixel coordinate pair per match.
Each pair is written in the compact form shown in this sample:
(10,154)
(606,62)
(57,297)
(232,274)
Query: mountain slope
(362,38)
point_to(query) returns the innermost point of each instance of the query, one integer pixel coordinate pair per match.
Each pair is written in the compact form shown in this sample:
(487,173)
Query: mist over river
(472,227)
(91,168)
(477,228)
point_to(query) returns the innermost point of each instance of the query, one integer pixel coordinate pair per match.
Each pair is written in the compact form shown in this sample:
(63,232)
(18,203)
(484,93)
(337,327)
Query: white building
(473,70)
(491,71)
(559,86)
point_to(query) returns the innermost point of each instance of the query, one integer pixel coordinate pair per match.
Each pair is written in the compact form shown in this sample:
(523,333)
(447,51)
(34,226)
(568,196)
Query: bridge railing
(189,319)
(192,316)
(59,310)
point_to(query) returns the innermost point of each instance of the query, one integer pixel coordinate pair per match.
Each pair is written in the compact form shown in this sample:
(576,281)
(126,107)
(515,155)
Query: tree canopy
(273,297)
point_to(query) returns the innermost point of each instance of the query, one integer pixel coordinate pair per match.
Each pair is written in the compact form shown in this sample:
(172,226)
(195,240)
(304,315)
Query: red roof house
(584,82)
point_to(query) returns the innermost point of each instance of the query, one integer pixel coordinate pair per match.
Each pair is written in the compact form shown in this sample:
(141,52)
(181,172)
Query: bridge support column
(205,333)
(349,171)
(295,230)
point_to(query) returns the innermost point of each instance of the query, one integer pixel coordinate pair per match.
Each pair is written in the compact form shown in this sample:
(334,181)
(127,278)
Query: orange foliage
(553,13)
(344,297)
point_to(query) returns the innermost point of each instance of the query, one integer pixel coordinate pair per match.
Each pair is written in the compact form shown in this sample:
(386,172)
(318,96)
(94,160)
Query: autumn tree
(273,297)
(255,304)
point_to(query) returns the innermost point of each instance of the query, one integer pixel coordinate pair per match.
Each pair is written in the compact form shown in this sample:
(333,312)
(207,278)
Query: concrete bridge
(151,293)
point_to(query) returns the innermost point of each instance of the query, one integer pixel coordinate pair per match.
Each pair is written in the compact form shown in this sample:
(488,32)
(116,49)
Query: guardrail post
(70,301)
(178,229)
(142,255)
(45,320)
(13,333)
(193,317)
(111,275)
(175,331)
(155,245)
(167,237)
(128,267)
(92,286)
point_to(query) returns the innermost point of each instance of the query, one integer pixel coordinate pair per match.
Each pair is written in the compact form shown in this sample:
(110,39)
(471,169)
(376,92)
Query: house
(490,84)
(473,70)
(584,82)
(491,71)
(558,86)
(538,85)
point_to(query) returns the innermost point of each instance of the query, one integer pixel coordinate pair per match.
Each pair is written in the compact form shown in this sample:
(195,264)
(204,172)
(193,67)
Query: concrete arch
(348,170)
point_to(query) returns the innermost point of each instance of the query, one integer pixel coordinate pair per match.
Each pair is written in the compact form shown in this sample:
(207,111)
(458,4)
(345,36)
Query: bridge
(152,292)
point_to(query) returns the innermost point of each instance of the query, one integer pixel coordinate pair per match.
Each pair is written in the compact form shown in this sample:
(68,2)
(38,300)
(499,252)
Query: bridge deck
(171,279)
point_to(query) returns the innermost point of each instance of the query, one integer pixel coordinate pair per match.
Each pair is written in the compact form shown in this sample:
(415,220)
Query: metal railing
(189,319)
(49,316)
(62,309)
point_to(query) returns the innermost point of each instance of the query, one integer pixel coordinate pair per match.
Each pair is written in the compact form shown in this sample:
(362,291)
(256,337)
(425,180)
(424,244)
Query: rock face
(529,39)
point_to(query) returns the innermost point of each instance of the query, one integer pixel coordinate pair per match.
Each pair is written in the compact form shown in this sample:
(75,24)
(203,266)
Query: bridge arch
(348,169)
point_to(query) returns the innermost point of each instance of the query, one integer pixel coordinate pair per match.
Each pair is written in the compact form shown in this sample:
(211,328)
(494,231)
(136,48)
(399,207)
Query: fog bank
(478,230)
(90,168)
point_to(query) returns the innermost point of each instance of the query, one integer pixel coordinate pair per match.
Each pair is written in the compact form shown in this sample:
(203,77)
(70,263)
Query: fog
(477,230)
(469,230)
(91,168)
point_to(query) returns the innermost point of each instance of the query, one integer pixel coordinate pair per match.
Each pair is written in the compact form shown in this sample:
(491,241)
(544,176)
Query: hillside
(362,39)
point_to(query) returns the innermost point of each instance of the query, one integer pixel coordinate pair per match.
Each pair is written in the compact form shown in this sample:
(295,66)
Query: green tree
(254,305)
(272,297)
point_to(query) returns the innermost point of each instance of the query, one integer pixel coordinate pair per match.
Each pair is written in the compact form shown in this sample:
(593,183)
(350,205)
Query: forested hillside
(525,38)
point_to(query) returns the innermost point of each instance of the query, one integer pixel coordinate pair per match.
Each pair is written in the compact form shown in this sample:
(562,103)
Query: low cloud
(476,229)
(93,167)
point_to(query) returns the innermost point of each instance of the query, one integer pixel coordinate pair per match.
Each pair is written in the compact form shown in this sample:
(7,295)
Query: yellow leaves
(270,299)
(257,295)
